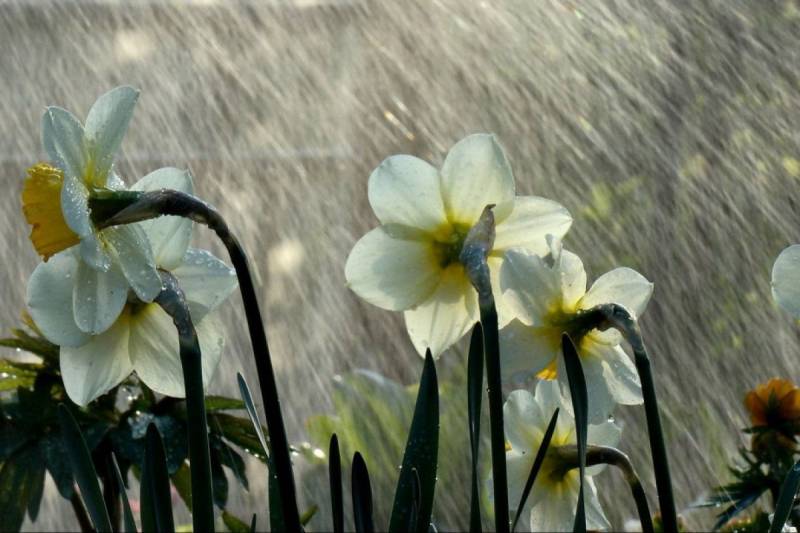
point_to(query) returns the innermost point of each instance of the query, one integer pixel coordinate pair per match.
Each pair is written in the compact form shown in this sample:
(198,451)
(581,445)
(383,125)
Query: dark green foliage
(156,504)
(474,395)
(580,405)
(362,496)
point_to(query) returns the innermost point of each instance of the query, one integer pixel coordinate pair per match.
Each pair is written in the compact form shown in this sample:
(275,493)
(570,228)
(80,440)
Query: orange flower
(773,403)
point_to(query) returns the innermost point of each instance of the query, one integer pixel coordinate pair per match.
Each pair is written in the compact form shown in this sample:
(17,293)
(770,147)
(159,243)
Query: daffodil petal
(94,253)
(595,517)
(169,235)
(527,350)
(136,260)
(96,367)
(523,420)
(573,279)
(532,219)
(529,287)
(405,190)
(394,274)
(62,137)
(75,205)
(49,300)
(205,280)
(554,510)
(619,373)
(505,313)
(601,401)
(449,312)
(786,280)
(106,125)
(474,174)
(97,298)
(622,286)
(155,351)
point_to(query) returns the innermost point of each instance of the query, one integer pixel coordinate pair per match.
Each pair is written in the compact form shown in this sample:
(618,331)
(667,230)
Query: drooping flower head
(553,499)
(141,337)
(411,262)
(547,294)
(786,280)
(56,202)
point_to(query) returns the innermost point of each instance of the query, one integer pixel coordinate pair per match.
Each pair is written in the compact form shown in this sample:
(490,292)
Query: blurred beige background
(670,129)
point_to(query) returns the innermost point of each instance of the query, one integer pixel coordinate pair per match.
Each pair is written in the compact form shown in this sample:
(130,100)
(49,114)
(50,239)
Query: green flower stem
(474,253)
(172,300)
(616,316)
(596,455)
(168,202)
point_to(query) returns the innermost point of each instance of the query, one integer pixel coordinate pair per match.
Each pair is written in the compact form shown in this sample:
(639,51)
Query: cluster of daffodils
(411,263)
(93,294)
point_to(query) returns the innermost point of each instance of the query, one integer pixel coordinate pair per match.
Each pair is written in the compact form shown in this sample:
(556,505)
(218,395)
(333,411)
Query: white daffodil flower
(786,280)
(56,203)
(546,295)
(142,337)
(411,262)
(553,498)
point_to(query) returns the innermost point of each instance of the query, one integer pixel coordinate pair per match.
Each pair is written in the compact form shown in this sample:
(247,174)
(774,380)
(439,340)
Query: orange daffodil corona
(410,263)
(93,295)
(545,296)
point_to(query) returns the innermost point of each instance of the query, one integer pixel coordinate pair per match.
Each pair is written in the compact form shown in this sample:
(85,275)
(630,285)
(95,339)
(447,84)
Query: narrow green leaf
(219,481)
(335,477)
(306,517)
(182,481)
(580,404)
(156,504)
(35,484)
(20,476)
(222,403)
(252,412)
(786,497)
(420,458)
(83,469)
(362,496)
(253,524)
(491,346)
(234,524)
(537,464)
(474,396)
(127,514)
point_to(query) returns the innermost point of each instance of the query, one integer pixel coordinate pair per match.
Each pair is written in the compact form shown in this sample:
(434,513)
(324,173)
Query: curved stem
(171,299)
(168,202)
(596,455)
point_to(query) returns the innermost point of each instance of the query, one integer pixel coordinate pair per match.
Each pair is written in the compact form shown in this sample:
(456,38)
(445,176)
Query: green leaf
(335,477)
(56,460)
(362,496)
(230,458)
(580,404)
(83,470)
(21,481)
(234,524)
(127,514)
(474,396)
(252,412)
(420,458)
(537,465)
(182,481)
(238,431)
(219,481)
(786,497)
(306,517)
(14,374)
(28,343)
(221,403)
(35,483)
(156,504)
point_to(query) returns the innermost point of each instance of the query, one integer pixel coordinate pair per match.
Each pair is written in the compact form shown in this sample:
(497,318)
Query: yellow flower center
(41,205)
(559,320)
(448,242)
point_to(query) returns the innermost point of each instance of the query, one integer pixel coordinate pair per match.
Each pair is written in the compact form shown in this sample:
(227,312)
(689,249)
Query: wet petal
(169,235)
(601,401)
(106,125)
(476,173)
(532,219)
(529,287)
(595,517)
(523,422)
(94,253)
(573,279)
(527,350)
(98,298)
(49,300)
(205,280)
(98,366)
(619,372)
(405,190)
(449,312)
(136,260)
(554,509)
(786,280)
(155,352)
(62,137)
(394,274)
(622,286)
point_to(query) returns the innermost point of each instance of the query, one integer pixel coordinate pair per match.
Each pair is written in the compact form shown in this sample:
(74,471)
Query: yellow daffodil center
(558,320)
(41,205)
(448,242)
